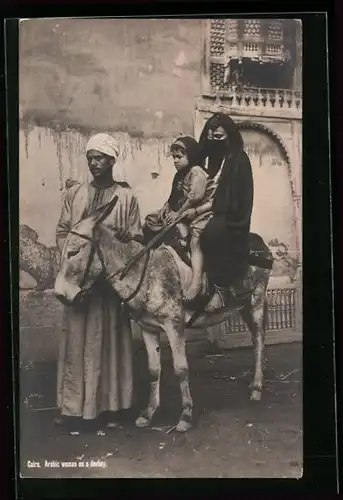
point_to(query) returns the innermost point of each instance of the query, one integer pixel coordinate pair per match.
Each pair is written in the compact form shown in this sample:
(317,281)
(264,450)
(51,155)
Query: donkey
(152,290)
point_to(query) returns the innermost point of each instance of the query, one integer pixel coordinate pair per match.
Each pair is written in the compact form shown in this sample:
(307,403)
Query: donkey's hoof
(256,395)
(142,422)
(183,426)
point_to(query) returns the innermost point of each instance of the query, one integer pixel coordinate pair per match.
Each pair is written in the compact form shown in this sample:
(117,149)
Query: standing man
(95,359)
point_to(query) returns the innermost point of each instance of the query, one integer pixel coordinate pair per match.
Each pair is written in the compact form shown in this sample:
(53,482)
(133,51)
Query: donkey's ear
(101,213)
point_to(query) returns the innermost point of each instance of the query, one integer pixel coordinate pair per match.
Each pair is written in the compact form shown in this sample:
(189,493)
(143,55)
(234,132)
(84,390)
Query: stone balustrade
(260,101)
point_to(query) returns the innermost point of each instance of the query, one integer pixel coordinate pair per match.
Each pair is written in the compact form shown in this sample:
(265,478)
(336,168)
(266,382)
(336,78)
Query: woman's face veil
(213,143)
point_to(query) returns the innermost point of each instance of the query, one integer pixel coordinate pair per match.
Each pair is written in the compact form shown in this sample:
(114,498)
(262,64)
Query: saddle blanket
(212,297)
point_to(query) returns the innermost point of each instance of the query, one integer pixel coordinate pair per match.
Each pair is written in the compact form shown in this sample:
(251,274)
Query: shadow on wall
(38,263)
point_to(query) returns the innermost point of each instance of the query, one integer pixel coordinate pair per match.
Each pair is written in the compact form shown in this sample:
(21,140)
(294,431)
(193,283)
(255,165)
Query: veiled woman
(225,239)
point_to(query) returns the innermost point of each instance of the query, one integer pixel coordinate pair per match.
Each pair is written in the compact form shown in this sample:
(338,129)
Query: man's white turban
(103,143)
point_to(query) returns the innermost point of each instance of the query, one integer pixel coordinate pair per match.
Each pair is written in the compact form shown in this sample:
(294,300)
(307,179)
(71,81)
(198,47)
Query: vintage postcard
(160,237)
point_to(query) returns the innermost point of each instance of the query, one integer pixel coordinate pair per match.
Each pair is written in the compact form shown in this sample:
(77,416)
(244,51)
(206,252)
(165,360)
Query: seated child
(189,197)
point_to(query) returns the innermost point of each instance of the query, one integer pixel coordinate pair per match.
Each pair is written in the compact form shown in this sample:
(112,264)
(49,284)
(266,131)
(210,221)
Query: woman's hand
(170,218)
(123,235)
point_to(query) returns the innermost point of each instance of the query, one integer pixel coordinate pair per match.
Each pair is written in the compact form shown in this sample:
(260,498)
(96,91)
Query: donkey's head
(82,259)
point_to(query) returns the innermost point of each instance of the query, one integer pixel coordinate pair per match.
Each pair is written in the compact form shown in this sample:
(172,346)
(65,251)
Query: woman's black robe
(225,240)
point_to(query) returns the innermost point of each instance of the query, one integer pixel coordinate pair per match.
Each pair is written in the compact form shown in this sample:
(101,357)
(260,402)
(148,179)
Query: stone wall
(48,158)
(136,79)
(138,76)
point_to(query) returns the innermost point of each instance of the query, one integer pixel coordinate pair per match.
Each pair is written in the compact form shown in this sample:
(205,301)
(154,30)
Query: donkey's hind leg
(254,315)
(152,345)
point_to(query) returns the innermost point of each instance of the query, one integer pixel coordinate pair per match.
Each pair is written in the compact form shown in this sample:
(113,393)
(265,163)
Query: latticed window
(252,28)
(217,46)
(217,72)
(275,30)
(273,49)
(251,47)
(236,45)
(232,28)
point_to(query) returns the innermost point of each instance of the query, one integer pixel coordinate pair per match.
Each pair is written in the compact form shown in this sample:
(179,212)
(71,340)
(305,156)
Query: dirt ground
(234,437)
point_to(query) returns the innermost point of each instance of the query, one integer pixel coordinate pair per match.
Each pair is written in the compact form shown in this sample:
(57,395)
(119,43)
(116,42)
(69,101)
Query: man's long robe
(95,358)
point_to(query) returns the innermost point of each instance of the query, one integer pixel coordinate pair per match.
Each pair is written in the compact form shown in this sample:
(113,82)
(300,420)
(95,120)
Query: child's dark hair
(188,146)
(177,148)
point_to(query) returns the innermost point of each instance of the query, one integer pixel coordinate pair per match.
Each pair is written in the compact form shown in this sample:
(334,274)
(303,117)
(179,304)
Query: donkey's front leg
(152,345)
(177,341)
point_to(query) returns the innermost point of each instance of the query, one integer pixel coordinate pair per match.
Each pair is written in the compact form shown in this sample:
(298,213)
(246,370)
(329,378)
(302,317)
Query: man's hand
(123,235)
(164,212)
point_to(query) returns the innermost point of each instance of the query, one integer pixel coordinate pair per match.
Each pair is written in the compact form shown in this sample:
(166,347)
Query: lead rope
(134,293)
(124,302)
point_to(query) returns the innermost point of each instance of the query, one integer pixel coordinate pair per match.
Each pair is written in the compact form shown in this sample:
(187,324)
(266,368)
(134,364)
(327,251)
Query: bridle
(95,248)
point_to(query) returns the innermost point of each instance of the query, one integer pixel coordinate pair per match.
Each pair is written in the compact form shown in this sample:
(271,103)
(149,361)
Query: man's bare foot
(192,291)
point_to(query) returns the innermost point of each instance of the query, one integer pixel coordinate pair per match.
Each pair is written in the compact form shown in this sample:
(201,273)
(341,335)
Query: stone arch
(259,127)
(281,150)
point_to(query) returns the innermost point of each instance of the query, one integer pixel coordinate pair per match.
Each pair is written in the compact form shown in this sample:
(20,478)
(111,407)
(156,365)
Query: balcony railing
(279,102)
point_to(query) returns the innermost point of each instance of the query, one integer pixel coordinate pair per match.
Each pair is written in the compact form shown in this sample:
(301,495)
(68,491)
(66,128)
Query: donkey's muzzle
(63,299)
(81,298)
(65,292)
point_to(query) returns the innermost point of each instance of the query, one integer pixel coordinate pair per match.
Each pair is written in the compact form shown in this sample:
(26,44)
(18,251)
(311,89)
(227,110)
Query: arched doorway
(274,210)
(273,214)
